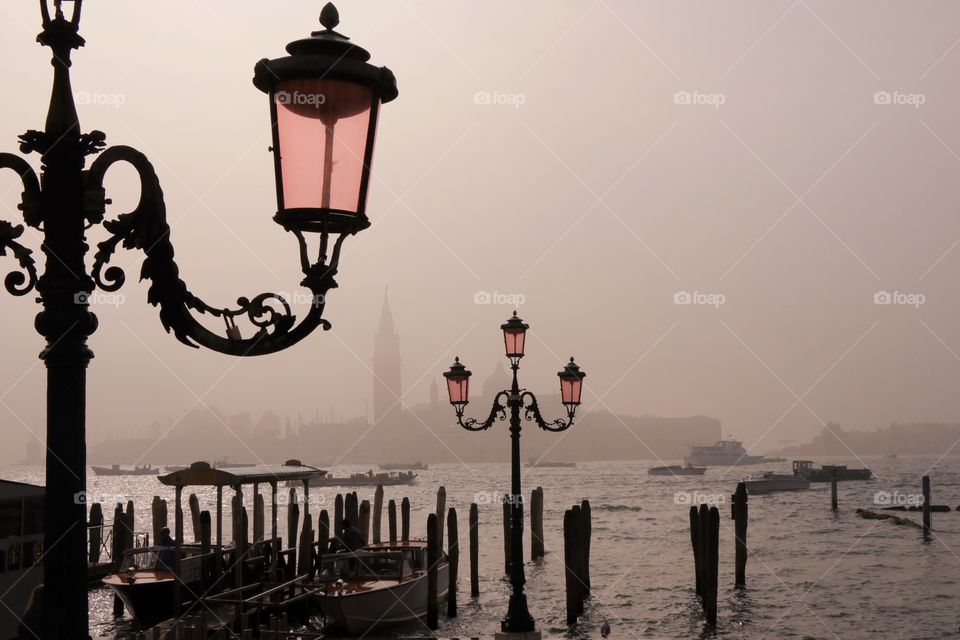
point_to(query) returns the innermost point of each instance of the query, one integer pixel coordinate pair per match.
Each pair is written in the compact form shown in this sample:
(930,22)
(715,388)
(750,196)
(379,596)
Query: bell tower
(386,366)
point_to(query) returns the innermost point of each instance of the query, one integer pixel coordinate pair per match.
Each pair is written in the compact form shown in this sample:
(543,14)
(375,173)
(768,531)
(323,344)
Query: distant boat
(726,453)
(116,470)
(547,464)
(216,464)
(676,470)
(891,456)
(805,469)
(368,479)
(401,466)
(769,482)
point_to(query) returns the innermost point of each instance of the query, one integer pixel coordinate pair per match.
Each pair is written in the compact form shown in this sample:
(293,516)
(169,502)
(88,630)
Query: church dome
(497,381)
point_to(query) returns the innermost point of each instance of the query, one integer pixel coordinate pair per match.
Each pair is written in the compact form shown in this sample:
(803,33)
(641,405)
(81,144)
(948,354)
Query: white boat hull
(357,613)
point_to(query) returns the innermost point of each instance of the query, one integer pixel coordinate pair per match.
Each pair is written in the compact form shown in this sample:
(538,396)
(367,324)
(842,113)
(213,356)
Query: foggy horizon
(783,164)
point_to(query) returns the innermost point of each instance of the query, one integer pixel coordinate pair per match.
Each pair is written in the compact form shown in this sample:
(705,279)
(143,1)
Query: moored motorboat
(676,470)
(21,550)
(770,482)
(146,587)
(379,586)
(827,472)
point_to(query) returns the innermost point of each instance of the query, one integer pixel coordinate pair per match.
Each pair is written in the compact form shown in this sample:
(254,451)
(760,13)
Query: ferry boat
(378,586)
(21,550)
(116,470)
(400,466)
(368,479)
(676,470)
(826,473)
(727,453)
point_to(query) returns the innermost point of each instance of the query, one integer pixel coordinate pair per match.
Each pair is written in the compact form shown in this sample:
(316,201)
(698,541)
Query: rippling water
(811,573)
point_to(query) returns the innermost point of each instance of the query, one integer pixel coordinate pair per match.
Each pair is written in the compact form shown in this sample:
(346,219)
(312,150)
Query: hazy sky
(788,159)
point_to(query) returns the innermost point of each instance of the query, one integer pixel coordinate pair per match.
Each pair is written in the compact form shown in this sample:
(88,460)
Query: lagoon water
(810,574)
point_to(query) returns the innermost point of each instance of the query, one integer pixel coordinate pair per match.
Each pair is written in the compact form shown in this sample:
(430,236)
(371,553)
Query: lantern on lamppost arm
(325,99)
(516,399)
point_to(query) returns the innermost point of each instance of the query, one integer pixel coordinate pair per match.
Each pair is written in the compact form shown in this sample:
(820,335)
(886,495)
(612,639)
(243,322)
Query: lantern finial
(329,16)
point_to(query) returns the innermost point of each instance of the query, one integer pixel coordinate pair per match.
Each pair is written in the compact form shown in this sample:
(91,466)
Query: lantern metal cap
(328,41)
(457,370)
(572,371)
(326,54)
(514,324)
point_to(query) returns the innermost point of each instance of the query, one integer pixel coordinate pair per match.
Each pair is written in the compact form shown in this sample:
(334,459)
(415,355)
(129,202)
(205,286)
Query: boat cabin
(21,549)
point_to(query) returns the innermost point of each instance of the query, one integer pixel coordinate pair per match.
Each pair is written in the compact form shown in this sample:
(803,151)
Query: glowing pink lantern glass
(458,384)
(322,137)
(571,385)
(514,336)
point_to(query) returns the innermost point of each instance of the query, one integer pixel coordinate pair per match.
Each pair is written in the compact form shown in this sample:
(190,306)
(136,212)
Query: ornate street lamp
(518,618)
(324,100)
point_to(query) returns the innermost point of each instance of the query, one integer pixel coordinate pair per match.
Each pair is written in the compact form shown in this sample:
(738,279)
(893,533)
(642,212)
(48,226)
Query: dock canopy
(202,474)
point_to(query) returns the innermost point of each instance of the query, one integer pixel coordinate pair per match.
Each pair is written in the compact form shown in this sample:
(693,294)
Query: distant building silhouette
(386,367)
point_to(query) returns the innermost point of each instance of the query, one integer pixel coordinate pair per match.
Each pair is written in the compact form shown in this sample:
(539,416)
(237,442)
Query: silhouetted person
(350,538)
(166,557)
(31,622)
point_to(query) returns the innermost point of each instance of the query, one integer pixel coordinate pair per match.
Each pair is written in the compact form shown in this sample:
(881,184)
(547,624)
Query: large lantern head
(514,337)
(458,385)
(571,385)
(324,101)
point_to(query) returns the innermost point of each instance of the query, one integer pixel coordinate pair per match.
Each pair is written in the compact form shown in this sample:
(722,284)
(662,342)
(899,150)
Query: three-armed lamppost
(324,100)
(518,618)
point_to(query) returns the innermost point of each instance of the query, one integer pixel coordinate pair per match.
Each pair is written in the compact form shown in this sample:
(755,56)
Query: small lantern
(514,336)
(324,101)
(571,384)
(458,384)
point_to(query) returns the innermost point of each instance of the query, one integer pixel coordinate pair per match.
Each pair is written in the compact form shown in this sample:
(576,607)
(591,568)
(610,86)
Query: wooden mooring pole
(392,520)
(586,532)
(441,513)
(337,517)
(927,525)
(536,524)
(95,539)
(695,542)
(364,521)
(833,492)
(713,558)
(571,531)
(474,551)
(293,519)
(194,516)
(453,553)
(433,556)
(405,519)
(740,518)
(377,513)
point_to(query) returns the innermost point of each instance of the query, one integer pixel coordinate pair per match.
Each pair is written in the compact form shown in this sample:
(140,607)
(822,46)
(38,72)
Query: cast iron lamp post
(324,101)
(518,618)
